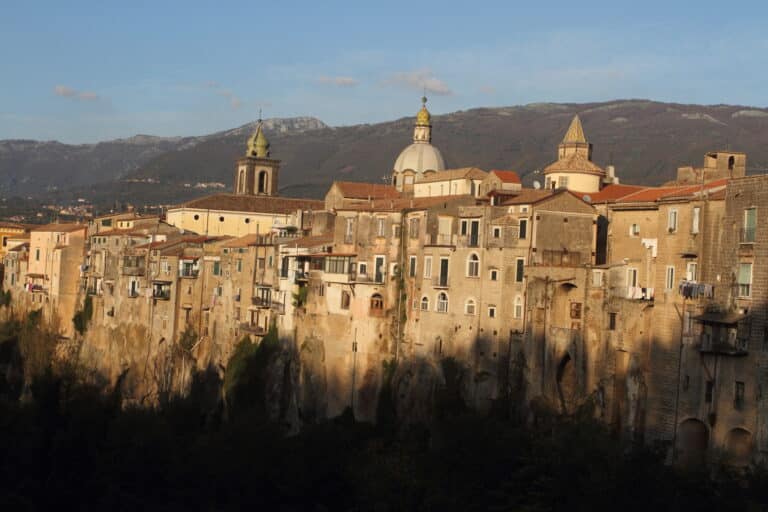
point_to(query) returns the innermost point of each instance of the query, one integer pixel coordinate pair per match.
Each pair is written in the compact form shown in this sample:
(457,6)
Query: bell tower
(256,173)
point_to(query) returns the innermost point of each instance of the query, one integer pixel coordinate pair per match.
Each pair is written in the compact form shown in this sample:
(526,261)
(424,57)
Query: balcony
(723,347)
(134,271)
(444,239)
(161,294)
(261,302)
(301,277)
(253,329)
(632,293)
(747,235)
(724,333)
(189,273)
(440,281)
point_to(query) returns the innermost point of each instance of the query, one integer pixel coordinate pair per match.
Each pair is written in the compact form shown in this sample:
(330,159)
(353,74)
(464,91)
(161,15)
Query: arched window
(442,302)
(472,188)
(377,304)
(473,265)
(262,182)
(731,162)
(241,182)
(469,307)
(425,303)
(518,307)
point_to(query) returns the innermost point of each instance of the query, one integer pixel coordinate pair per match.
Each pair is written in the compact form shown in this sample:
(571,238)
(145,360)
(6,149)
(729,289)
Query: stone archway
(738,447)
(692,443)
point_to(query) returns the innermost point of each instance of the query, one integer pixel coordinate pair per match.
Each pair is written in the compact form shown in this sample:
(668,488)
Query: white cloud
(338,81)
(421,80)
(64,91)
(234,101)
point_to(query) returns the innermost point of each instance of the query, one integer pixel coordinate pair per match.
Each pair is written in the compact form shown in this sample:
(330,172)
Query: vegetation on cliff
(72,445)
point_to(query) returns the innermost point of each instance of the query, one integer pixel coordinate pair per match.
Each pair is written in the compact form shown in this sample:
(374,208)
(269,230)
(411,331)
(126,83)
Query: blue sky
(88,71)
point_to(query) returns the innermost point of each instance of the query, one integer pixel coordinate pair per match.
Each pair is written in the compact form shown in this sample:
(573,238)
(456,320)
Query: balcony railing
(134,271)
(440,281)
(189,273)
(261,302)
(632,292)
(747,235)
(253,329)
(722,347)
(161,294)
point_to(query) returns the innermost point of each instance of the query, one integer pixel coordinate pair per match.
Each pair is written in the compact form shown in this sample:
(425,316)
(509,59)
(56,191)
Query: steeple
(258,145)
(256,173)
(575,142)
(575,132)
(422,131)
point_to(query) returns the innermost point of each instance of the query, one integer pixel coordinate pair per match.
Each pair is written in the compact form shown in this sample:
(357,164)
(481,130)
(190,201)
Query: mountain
(645,140)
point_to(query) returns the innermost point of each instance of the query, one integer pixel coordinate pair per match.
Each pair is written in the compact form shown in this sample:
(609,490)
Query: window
(336,264)
(523,229)
(690,270)
(473,266)
(37,254)
(611,321)
(463,227)
(563,181)
(425,303)
(442,302)
(634,230)
(412,266)
(738,396)
(518,307)
(745,279)
(413,228)
(669,283)
(494,275)
(710,386)
(427,266)
(750,223)
(632,277)
(239,265)
(380,227)
(469,307)
(362,269)
(496,232)
(216,268)
(520,270)
(345,299)
(377,302)
(349,231)
(396,231)
(672,221)
(695,220)
(321,290)
(576,310)
(491,311)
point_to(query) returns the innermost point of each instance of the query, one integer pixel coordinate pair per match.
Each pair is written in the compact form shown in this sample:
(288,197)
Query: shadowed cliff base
(70,442)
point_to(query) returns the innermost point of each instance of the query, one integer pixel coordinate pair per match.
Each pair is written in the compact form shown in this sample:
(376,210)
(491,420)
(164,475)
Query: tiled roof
(455,174)
(14,225)
(405,203)
(249,240)
(507,176)
(361,190)
(255,204)
(527,196)
(613,192)
(574,163)
(60,227)
(652,194)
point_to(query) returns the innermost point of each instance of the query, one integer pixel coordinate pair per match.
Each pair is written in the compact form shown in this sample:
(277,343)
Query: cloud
(338,81)
(68,92)
(234,101)
(421,80)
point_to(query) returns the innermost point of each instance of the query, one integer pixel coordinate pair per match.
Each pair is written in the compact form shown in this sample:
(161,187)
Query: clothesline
(694,290)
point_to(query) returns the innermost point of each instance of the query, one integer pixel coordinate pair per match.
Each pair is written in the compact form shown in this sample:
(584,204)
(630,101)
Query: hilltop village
(646,305)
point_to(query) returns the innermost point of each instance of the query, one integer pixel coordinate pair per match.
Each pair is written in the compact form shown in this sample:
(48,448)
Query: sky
(81,72)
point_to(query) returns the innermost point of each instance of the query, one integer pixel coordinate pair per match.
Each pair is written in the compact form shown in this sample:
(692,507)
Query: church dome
(420,157)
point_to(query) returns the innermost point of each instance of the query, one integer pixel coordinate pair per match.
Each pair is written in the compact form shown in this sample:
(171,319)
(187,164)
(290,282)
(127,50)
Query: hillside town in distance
(647,304)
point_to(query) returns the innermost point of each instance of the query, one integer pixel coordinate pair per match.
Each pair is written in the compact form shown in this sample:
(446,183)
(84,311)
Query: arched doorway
(692,443)
(738,447)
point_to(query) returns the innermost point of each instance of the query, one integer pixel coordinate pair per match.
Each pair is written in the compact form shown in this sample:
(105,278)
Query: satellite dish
(536,185)
(587,199)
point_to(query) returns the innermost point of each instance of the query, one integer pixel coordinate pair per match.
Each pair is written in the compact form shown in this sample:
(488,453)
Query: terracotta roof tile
(404,203)
(362,190)
(576,163)
(506,176)
(613,192)
(60,227)
(255,204)
(527,196)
